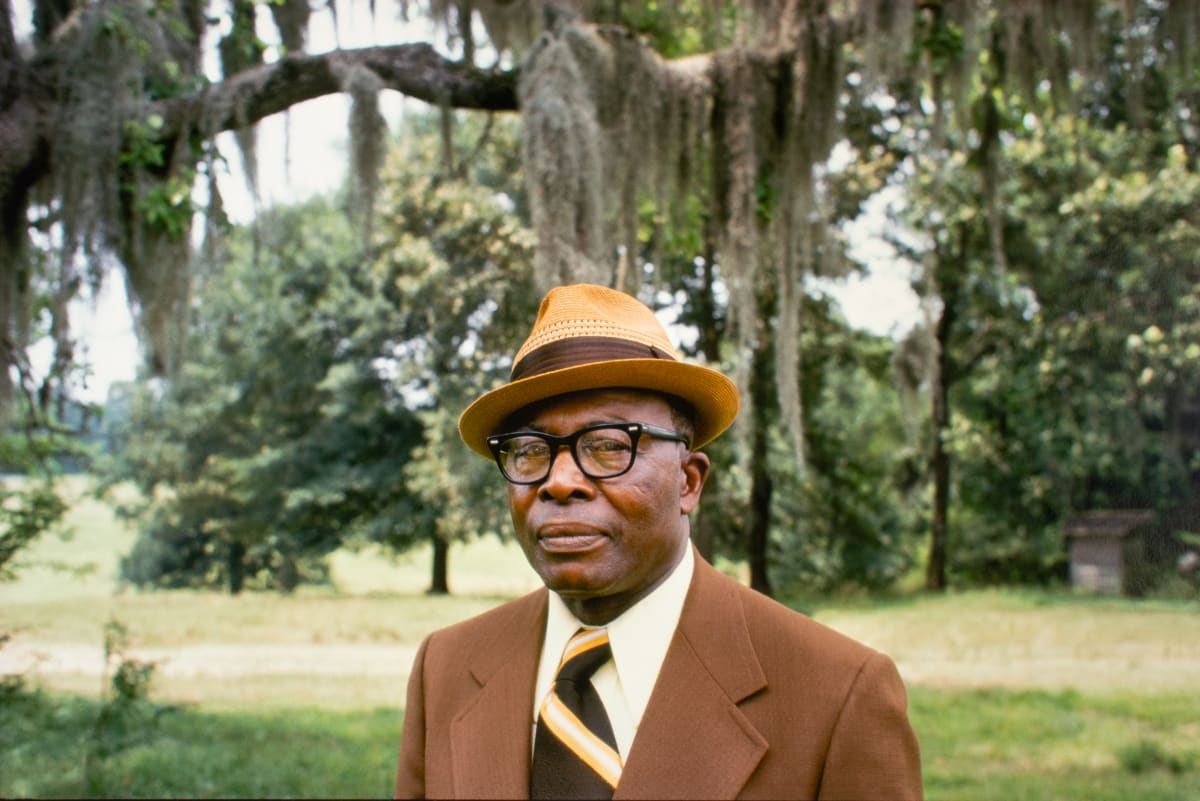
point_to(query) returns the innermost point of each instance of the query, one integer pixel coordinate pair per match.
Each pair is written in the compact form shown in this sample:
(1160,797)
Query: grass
(190,753)
(1005,745)
(68,588)
(1021,638)
(985,745)
(1015,694)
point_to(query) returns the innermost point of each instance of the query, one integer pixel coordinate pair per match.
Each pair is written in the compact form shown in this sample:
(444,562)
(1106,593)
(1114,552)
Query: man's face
(604,544)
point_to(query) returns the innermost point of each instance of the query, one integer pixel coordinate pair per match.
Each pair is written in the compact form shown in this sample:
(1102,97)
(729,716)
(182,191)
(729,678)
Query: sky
(303,152)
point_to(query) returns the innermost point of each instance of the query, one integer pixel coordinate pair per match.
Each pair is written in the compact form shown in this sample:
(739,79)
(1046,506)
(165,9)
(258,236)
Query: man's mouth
(568,539)
(570,543)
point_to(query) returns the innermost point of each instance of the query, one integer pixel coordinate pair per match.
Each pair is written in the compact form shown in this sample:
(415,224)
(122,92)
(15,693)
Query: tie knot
(584,654)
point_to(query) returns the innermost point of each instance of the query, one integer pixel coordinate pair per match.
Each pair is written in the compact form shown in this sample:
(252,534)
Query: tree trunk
(949,274)
(702,529)
(439,583)
(935,568)
(235,564)
(706,303)
(287,575)
(703,533)
(761,486)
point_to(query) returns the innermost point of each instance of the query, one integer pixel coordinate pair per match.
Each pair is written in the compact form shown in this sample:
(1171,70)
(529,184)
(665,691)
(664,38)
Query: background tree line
(304,373)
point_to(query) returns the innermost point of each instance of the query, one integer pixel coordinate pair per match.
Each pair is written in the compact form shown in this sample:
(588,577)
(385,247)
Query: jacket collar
(490,739)
(694,741)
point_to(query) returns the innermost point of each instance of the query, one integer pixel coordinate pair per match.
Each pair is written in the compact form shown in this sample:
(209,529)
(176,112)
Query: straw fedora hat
(593,337)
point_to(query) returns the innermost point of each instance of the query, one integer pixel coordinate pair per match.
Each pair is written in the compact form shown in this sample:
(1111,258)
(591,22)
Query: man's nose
(565,479)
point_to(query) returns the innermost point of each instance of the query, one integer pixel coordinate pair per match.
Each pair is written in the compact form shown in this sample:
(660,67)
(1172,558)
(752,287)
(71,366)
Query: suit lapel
(693,741)
(490,739)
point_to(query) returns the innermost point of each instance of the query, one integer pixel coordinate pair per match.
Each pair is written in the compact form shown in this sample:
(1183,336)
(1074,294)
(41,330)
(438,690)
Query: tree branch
(414,69)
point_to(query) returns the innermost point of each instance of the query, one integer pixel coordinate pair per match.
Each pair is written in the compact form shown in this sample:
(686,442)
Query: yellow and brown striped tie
(575,752)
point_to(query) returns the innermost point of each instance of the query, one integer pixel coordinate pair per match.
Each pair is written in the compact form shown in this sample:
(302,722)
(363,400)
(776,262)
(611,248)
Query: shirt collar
(640,637)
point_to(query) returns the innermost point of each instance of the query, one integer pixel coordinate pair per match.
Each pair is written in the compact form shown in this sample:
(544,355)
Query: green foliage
(30,502)
(168,205)
(1059,240)
(280,438)
(142,146)
(25,514)
(241,47)
(1120,310)
(316,408)
(940,40)
(456,255)
(842,521)
(677,29)
(165,203)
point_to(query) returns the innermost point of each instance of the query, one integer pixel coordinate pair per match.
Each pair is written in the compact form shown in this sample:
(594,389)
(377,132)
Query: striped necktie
(575,752)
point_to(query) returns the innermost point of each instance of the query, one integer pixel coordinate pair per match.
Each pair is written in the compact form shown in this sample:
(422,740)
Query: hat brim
(712,395)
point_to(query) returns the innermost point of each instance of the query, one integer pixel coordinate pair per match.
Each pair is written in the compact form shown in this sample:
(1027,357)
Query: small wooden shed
(1104,545)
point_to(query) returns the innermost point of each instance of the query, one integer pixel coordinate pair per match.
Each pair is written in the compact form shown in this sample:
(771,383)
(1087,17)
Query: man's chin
(573,582)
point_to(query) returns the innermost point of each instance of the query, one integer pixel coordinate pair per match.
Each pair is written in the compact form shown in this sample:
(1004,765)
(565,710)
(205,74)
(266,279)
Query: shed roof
(1107,522)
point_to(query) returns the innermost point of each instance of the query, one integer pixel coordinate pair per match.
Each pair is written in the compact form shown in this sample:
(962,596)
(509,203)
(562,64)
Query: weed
(1146,756)
(126,717)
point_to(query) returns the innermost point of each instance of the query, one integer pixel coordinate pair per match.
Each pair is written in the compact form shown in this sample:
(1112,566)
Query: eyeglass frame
(556,444)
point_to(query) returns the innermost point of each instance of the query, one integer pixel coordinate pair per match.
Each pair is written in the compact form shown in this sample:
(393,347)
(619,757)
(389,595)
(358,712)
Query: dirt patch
(214,660)
(1016,667)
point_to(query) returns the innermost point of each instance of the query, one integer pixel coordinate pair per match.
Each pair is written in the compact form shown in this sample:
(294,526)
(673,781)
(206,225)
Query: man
(640,671)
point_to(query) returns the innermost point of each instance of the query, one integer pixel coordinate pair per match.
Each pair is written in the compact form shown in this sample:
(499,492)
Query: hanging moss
(241,49)
(512,25)
(291,20)
(562,148)
(114,186)
(368,140)
(607,122)
(608,125)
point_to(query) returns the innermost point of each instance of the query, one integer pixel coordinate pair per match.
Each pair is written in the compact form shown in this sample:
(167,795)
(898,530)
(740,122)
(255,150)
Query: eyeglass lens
(600,453)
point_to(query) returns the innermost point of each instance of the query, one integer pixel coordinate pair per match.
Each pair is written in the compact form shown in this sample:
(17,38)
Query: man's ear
(692,475)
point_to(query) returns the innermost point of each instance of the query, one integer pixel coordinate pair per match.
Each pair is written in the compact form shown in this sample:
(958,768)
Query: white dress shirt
(639,639)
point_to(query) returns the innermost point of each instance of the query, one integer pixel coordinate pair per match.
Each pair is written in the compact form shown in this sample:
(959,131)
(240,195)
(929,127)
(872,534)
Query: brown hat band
(582,350)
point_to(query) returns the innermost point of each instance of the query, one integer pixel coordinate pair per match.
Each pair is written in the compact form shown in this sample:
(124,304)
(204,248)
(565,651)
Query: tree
(1094,64)
(281,437)
(455,259)
(310,411)
(109,122)
(1120,315)
(111,118)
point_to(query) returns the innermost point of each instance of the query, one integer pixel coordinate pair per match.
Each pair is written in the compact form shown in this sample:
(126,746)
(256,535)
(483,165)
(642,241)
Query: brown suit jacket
(754,700)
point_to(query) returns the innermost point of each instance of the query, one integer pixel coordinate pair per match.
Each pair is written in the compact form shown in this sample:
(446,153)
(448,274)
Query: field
(1014,694)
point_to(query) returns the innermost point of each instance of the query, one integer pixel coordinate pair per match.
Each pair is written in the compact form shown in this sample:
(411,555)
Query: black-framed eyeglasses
(605,450)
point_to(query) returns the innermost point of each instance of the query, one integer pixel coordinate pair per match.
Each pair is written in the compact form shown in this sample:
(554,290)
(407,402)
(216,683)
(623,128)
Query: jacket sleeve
(410,773)
(873,752)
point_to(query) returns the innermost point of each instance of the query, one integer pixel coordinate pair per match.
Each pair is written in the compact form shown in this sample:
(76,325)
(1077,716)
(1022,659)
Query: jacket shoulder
(778,630)
(493,625)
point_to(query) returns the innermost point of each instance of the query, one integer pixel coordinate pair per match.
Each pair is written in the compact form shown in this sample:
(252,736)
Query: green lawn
(978,744)
(1014,694)
(1006,745)
(190,753)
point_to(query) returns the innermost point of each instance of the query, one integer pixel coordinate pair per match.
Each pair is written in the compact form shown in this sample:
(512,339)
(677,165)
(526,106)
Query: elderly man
(640,671)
